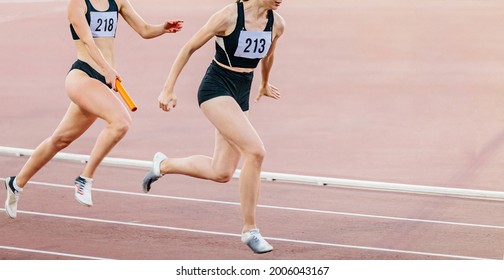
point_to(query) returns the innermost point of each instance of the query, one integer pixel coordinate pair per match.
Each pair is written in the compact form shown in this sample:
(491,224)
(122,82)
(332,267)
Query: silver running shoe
(154,173)
(83,191)
(256,242)
(12,198)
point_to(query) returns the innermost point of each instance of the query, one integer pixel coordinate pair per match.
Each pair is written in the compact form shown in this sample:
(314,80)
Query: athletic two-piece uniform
(242,49)
(102,24)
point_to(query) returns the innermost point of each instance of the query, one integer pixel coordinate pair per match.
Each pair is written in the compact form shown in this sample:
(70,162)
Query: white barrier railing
(282,177)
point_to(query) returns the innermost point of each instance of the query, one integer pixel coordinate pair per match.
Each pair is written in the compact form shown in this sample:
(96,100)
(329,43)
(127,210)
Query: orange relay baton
(125,96)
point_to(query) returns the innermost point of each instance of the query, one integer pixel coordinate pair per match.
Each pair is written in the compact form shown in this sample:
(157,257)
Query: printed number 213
(259,45)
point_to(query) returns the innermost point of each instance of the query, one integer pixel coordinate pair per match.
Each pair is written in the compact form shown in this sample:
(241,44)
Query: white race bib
(253,44)
(103,24)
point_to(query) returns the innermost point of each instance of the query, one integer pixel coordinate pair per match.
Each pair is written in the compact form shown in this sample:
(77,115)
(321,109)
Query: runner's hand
(111,76)
(268,91)
(173,26)
(167,98)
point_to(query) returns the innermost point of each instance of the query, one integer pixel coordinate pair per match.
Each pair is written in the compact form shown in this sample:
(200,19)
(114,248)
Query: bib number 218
(103,24)
(108,25)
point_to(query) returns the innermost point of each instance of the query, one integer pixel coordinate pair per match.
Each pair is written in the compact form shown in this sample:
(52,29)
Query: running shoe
(256,242)
(12,197)
(83,191)
(154,173)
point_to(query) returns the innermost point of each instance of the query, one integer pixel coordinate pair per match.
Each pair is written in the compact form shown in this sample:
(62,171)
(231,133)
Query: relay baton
(125,96)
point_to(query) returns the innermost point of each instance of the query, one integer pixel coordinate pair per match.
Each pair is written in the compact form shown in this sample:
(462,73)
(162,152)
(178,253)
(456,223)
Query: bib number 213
(253,44)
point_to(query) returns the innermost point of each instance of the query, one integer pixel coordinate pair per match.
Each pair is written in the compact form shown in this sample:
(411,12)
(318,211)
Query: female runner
(246,33)
(89,85)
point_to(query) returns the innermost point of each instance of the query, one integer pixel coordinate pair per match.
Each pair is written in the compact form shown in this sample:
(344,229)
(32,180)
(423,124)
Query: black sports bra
(101,23)
(244,48)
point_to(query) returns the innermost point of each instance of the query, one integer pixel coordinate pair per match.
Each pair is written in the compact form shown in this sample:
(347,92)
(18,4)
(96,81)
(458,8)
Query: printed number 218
(108,25)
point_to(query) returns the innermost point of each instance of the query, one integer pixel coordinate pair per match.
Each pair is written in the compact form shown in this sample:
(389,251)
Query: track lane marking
(307,242)
(279,207)
(50,253)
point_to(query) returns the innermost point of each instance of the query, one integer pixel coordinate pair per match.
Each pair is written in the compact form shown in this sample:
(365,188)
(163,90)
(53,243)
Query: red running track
(396,91)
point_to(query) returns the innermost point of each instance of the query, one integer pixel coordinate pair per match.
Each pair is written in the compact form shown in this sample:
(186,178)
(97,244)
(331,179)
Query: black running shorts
(219,81)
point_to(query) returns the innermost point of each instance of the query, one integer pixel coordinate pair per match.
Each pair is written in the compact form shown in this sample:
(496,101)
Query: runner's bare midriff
(236,69)
(106,46)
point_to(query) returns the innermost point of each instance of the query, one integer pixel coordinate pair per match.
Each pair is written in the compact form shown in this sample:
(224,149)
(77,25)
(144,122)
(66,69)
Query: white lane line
(269,238)
(282,207)
(50,253)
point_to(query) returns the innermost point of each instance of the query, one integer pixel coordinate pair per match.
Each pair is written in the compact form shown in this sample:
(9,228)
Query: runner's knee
(224,176)
(120,127)
(256,153)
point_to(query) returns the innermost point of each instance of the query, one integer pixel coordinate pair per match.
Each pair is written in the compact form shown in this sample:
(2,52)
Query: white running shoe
(83,191)
(256,242)
(12,198)
(154,173)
